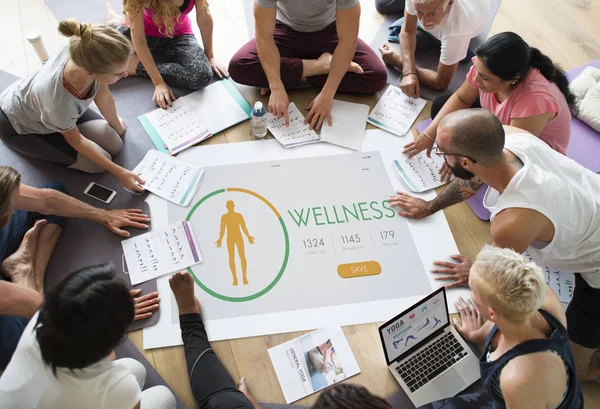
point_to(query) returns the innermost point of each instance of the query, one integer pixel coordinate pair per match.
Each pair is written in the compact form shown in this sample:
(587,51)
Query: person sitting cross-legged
(315,42)
(31,221)
(65,358)
(451,24)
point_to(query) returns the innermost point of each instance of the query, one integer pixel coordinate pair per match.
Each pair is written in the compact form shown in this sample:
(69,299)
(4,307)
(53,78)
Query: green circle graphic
(281,270)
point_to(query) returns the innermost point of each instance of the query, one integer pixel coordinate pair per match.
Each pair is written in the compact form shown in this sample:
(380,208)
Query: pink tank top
(181,27)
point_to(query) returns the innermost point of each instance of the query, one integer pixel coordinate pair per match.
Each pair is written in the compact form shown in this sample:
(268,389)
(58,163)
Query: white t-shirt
(567,194)
(27,383)
(467,18)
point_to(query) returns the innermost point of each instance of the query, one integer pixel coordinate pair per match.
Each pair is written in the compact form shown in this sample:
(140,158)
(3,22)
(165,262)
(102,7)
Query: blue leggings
(482,400)
(11,235)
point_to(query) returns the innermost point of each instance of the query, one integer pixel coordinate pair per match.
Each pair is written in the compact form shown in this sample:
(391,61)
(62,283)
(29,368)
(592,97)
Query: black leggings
(180,60)
(482,400)
(439,102)
(212,386)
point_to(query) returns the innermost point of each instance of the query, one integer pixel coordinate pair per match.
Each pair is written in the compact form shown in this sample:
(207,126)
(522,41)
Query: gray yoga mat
(429,58)
(82,242)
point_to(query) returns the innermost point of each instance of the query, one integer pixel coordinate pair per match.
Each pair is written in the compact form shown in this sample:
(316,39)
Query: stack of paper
(420,173)
(349,122)
(296,133)
(395,111)
(313,362)
(169,178)
(161,252)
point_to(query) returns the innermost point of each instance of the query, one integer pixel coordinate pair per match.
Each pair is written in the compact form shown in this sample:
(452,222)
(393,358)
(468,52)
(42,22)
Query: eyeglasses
(438,153)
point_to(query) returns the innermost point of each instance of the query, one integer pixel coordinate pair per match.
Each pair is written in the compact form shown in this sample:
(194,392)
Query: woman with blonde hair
(46,115)
(166,49)
(519,324)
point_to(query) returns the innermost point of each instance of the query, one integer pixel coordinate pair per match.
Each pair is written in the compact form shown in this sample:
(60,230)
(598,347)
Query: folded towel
(586,88)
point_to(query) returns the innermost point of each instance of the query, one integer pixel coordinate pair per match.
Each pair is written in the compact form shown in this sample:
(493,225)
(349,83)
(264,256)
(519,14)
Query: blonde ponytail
(95,48)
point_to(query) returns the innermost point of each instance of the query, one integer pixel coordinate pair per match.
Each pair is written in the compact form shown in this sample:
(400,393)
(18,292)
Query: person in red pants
(314,41)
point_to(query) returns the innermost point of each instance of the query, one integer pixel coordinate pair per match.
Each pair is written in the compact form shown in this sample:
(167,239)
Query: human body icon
(234,224)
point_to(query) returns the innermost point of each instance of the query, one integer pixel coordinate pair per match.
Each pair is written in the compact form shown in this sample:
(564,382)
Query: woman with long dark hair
(517,83)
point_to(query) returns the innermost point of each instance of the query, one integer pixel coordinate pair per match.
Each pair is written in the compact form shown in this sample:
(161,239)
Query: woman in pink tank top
(167,51)
(519,84)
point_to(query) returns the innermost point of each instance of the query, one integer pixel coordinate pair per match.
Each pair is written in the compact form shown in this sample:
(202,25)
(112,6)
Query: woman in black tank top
(515,314)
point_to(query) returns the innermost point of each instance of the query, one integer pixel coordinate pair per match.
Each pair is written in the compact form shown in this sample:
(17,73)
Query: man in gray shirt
(311,40)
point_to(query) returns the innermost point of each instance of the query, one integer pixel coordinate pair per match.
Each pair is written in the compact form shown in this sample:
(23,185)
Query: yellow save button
(360,269)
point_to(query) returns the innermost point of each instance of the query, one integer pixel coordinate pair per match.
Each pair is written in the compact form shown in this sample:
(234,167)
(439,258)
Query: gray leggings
(54,147)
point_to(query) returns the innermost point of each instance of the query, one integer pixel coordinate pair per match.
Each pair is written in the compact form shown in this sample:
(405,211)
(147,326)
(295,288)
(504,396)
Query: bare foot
(182,286)
(264,91)
(243,387)
(390,56)
(113,19)
(19,266)
(134,60)
(325,61)
(245,280)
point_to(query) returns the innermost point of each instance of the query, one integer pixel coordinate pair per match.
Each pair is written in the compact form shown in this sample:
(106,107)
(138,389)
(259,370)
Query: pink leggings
(294,46)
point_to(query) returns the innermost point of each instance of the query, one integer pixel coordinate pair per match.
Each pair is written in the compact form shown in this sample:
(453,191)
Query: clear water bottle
(259,120)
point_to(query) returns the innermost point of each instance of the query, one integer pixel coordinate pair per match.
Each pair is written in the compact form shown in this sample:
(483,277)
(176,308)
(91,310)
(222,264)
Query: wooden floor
(566,30)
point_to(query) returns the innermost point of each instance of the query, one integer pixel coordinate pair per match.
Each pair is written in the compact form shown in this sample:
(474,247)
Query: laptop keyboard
(431,361)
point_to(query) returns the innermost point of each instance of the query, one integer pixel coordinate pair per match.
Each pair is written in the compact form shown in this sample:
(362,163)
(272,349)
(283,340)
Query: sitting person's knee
(241,65)
(85,165)
(376,79)
(101,133)
(160,396)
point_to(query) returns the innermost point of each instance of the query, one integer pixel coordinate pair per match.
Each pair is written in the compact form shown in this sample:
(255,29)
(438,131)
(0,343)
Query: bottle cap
(259,109)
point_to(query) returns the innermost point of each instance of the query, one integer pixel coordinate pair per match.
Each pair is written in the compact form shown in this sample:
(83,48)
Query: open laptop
(426,355)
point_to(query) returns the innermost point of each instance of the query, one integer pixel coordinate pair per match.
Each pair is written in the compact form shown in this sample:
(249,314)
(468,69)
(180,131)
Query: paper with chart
(562,282)
(169,177)
(296,133)
(349,122)
(395,112)
(180,126)
(161,252)
(213,108)
(420,173)
(313,362)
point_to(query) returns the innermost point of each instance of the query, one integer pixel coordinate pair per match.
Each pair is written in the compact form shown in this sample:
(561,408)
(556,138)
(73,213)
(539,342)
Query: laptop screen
(414,325)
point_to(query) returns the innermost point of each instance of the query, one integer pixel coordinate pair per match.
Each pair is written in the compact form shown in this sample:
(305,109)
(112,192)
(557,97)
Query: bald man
(540,201)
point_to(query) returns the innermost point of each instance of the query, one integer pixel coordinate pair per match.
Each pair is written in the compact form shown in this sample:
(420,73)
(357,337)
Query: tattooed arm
(415,208)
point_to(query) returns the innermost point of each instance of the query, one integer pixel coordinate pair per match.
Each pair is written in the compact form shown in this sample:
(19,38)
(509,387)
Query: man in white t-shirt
(454,23)
(540,201)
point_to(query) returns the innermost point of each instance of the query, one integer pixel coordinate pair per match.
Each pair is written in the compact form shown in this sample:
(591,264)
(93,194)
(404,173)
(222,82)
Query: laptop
(426,355)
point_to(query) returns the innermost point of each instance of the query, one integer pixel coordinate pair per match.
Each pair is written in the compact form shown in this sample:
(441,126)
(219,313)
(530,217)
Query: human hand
(421,143)
(390,56)
(121,128)
(219,243)
(219,69)
(144,305)
(459,272)
(410,85)
(445,173)
(279,104)
(131,181)
(163,96)
(114,220)
(411,207)
(319,109)
(251,239)
(471,321)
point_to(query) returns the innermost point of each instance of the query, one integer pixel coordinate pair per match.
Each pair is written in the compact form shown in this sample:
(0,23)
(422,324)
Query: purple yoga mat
(584,147)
